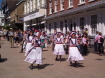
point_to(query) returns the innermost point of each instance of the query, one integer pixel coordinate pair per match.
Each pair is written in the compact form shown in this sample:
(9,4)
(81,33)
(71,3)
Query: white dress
(74,54)
(35,55)
(59,49)
(28,45)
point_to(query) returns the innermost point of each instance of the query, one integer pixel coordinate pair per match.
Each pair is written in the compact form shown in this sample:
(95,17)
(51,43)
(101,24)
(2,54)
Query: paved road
(14,66)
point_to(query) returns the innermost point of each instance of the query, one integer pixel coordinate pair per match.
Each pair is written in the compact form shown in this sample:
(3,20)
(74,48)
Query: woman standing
(85,45)
(74,54)
(29,42)
(58,49)
(35,54)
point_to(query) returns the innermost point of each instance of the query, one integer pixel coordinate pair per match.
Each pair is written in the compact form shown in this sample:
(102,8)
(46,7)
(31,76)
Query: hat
(73,32)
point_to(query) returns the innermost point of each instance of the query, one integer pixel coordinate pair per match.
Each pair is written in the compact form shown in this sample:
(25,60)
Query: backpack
(101,39)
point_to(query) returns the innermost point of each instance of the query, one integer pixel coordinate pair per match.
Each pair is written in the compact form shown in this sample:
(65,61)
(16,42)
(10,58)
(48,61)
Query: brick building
(69,15)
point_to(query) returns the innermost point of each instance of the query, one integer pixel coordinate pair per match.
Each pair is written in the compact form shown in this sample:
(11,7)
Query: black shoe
(71,64)
(39,67)
(11,47)
(75,65)
(56,59)
(31,67)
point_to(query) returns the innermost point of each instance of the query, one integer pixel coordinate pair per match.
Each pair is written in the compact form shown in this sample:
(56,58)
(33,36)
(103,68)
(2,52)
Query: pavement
(13,65)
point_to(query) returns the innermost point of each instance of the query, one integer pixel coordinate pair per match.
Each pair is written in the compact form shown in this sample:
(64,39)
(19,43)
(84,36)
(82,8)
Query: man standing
(100,40)
(96,43)
(11,36)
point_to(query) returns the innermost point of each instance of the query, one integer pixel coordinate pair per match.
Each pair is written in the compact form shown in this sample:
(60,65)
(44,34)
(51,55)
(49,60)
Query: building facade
(34,11)
(69,15)
(2,21)
(16,15)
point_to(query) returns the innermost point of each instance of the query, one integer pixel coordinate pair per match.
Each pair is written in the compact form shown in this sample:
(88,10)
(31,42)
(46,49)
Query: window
(28,7)
(62,5)
(38,3)
(70,3)
(61,26)
(91,0)
(50,7)
(55,25)
(94,24)
(31,5)
(56,4)
(25,7)
(82,24)
(50,28)
(81,2)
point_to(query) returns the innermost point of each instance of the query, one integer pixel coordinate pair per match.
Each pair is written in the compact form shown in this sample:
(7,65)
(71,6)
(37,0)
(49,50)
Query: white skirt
(28,47)
(24,45)
(59,49)
(34,56)
(74,54)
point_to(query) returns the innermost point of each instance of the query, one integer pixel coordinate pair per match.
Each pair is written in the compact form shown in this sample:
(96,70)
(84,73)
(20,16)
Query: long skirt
(74,54)
(28,47)
(34,56)
(59,49)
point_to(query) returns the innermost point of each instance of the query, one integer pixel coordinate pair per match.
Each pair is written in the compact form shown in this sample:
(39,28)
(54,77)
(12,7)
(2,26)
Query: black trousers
(100,48)
(85,50)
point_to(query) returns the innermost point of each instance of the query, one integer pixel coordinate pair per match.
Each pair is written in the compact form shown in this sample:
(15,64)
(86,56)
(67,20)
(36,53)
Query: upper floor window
(38,3)
(50,7)
(70,3)
(25,8)
(62,5)
(56,5)
(28,7)
(31,5)
(81,2)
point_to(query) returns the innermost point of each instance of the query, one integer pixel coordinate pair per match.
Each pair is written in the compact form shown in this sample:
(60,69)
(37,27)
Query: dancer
(35,54)
(74,54)
(58,49)
(29,42)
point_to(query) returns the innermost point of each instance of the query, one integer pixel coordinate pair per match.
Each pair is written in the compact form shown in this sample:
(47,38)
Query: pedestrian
(4,33)
(35,54)
(100,40)
(59,49)
(29,42)
(74,54)
(11,37)
(85,45)
(96,43)
(7,35)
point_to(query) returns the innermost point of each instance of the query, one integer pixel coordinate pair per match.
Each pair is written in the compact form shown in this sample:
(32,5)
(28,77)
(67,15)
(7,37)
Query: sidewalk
(14,66)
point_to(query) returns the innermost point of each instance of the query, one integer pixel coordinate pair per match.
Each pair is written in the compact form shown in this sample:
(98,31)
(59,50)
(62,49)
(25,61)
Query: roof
(12,3)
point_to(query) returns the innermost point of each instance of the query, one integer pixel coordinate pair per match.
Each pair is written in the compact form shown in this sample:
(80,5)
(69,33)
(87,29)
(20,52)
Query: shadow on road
(78,64)
(42,66)
(3,60)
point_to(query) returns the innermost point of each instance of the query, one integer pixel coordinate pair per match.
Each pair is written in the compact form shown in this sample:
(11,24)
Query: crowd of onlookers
(14,36)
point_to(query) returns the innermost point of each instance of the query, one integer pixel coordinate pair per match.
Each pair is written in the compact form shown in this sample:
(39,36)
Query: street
(13,65)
